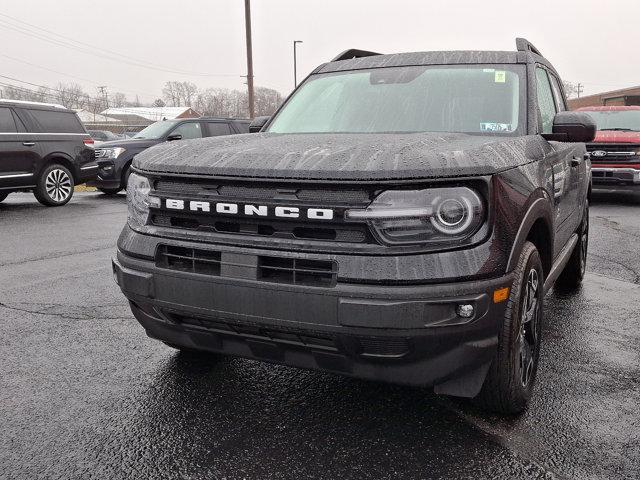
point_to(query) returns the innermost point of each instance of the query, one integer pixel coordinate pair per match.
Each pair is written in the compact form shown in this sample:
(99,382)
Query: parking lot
(85,394)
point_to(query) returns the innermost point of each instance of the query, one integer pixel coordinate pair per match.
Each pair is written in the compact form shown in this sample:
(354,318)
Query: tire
(110,191)
(123,184)
(55,186)
(511,377)
(3,195)
(573,272)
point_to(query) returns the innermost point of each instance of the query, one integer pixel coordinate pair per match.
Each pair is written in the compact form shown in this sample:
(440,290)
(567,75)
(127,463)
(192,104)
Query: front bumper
(401,334)
(615,178)
(108,175)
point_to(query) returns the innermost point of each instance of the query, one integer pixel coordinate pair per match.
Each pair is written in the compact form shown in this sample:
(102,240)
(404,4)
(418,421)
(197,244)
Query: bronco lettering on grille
(250,209)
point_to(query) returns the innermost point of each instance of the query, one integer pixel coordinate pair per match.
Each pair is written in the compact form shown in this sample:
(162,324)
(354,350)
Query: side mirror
(174,136)
(257,124)
(572,127)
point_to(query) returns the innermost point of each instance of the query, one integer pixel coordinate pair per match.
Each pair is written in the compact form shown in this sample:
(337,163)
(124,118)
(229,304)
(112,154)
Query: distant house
(97,121)
(148,115)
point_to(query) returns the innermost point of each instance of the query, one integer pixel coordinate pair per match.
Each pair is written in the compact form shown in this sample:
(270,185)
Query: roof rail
(524,45)
(354,53)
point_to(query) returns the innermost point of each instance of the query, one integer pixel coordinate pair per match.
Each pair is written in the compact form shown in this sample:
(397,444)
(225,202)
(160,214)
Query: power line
(76,77)
(77,45)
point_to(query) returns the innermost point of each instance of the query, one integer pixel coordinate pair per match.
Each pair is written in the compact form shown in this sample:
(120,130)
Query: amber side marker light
(500,295)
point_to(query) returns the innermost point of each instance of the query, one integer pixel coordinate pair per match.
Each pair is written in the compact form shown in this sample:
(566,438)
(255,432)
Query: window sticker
(495,127)
(488,70)
(500,76)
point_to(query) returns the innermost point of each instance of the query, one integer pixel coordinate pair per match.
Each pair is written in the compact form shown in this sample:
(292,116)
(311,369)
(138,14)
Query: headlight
(139,199)
(435,215)
(111,153)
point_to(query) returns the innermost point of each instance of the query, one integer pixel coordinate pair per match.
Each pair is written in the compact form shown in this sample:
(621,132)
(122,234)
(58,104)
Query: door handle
(29,144)
(576,161)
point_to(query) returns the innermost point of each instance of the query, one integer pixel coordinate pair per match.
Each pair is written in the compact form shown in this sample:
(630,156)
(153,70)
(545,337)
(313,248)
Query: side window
(51,121)
(216,129)
(557,93)
(546,103)
(7,124)
(188,130)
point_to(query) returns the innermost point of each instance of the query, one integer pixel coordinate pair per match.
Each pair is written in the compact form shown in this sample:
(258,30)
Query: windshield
(482,99)
(155,130)
(622,120)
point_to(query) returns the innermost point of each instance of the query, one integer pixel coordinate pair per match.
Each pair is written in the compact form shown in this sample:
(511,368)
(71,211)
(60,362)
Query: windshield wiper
(618,129)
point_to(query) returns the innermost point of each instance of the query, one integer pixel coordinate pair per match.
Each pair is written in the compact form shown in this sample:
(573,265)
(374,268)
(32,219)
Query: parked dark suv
(114,158)
(43,148)
(400,218)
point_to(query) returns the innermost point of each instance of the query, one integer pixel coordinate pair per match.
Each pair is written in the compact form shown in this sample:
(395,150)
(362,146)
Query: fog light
(465,310)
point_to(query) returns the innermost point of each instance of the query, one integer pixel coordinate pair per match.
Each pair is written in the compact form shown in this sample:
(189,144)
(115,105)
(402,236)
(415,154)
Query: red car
(615,152)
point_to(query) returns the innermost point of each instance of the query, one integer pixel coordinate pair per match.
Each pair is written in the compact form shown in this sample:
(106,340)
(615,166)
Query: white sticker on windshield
(495,127)
(500,76)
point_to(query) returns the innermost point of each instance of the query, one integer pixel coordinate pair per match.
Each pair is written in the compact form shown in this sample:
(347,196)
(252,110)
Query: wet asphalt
(85,394)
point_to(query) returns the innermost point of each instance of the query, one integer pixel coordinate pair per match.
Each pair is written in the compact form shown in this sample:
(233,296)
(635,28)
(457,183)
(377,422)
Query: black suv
(43,148)
(400,218)
(115,157)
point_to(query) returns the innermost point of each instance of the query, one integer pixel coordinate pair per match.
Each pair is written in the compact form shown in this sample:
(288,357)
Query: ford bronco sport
(400,218)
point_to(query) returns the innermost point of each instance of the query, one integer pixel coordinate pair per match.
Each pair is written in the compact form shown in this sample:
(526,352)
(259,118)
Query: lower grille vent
(292,271)
(297,271)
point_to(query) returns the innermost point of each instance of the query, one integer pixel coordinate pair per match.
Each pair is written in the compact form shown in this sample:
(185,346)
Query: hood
(342,156)
(129,143)
(607,136)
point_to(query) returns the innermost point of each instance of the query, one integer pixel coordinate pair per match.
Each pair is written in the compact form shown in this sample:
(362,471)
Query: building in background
(625,96)
(134,119)
(97,121)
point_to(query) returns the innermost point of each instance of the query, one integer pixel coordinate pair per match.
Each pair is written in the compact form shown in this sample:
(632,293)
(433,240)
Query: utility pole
(295,63)
(579,89)
(103,90)
(247,23)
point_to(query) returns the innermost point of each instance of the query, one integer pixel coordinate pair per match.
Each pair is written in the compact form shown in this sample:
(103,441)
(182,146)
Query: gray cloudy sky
(595,42)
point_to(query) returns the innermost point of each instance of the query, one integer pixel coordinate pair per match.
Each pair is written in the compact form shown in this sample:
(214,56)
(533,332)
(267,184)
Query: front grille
(243,192)
(290,271)
(615,153)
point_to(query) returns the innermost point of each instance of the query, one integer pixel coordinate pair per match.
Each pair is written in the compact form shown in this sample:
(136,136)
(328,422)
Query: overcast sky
(595,42)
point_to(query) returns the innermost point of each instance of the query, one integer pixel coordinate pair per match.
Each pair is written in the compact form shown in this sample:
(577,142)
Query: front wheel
(55,186)
(509,383)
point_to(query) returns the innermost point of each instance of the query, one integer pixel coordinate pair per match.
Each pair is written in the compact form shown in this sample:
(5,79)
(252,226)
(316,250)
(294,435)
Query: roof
(429,58)
(34,104)
(90,117)
(608,108)
(150,113)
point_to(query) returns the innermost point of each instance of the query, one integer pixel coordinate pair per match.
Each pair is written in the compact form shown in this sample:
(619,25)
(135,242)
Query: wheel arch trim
(539,209)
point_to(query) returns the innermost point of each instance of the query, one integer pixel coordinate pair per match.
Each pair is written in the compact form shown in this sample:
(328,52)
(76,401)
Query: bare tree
(71,95)
(158,102)
(118,100)
(570,89)
(222,102)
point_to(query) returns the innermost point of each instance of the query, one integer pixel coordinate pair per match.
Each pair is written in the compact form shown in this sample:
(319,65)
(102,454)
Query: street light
(295,75)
